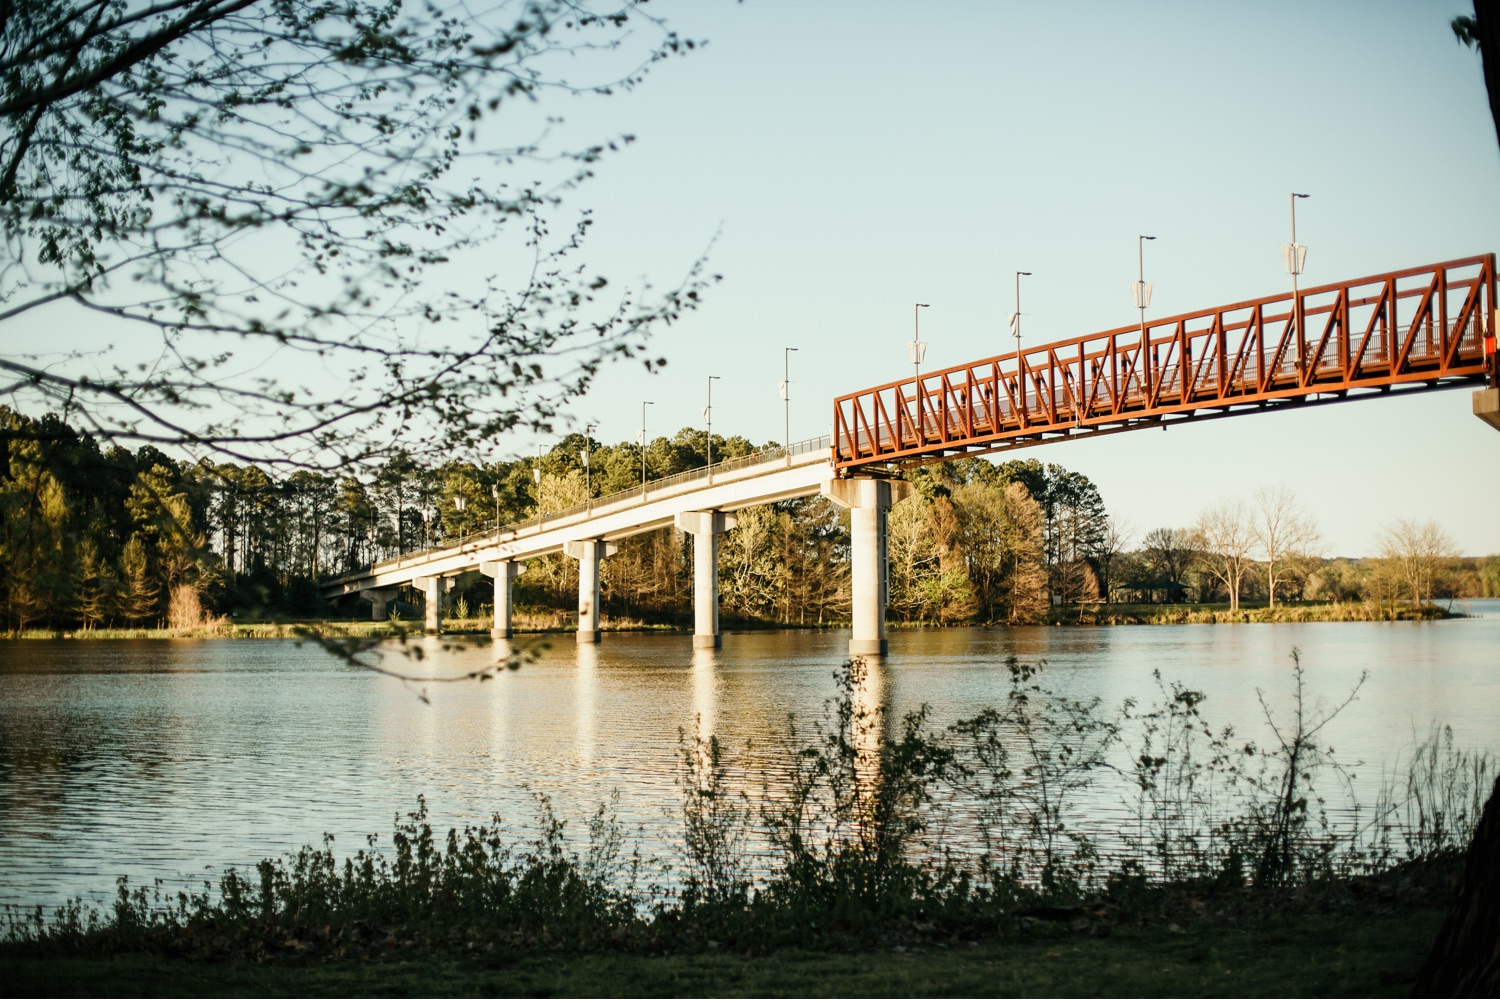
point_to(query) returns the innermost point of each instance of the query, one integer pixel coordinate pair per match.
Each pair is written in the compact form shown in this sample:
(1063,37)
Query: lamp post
(583,456)
(644,405)
(426,526)
(495,493)
(460,504)
(1015,318)
(536,479)
(1140,291)
(708,420)
(786,403)
(1294,255)
(917,349)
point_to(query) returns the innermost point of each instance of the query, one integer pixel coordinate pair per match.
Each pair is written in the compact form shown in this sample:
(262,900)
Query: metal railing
(651,491)
(1416,328)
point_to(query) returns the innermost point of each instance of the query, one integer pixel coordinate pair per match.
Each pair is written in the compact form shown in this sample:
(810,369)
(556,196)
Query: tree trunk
(1465,959)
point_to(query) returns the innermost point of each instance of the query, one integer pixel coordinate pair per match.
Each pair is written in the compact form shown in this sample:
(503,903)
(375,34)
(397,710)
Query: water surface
(163,758)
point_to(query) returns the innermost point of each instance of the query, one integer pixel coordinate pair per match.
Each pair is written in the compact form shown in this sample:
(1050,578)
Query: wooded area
(95,536)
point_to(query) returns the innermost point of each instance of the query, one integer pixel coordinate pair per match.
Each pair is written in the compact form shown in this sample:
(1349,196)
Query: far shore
(542,623)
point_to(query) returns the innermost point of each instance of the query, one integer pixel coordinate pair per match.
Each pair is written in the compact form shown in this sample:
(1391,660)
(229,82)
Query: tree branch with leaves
(274,210)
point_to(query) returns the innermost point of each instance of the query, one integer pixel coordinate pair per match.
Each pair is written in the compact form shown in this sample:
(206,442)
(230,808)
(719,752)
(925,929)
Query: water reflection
(705,688)
(155,759)
(586,693)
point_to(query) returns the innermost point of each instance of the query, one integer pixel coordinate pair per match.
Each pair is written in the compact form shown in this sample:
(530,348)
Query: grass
(1209,614)
(548,621)
(1374,952)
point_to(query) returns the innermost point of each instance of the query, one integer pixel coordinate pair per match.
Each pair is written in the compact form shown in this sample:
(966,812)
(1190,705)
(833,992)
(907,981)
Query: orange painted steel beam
(1420,328)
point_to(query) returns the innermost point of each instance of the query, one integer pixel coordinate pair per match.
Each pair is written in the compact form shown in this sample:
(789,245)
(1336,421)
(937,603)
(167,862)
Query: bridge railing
(538,522)
(1420,325)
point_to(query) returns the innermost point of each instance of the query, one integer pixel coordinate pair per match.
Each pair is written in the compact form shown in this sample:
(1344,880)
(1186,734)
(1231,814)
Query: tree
(1285,535)
(1028,568)
(269,202)
(1415,553)
(1168,553)
(1482,32)
(1227,542)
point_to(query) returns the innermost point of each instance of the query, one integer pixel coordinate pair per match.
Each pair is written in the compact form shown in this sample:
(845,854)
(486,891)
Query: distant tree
(1027,570)
(1228,541)
(1415,553)
(1167,554)
(265,202)
(1286,536)
(139,593)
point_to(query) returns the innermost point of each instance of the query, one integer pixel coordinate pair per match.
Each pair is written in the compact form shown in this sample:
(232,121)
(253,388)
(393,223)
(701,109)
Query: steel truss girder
(1419,328)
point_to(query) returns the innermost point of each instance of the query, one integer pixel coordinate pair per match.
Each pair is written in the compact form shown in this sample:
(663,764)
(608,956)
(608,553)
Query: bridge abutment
(705,527)
(503,572)
(588,553)
(869,501)
(433,589)
(380,599)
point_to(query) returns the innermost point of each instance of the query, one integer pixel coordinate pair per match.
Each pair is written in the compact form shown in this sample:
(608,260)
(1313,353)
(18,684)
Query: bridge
(1401,332)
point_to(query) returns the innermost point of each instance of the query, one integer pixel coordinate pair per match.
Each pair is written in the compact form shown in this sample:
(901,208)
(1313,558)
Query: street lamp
(426,525)
(583,457)
(786,402)
(1140,291)
(495,493)
(917,348)
(708,419)
(1294,255)
(644,405)
(536,478)
(459,504)
(1015,318)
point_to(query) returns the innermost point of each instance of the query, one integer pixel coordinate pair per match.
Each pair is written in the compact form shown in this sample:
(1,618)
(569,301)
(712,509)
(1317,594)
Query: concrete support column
(503,572)
(588,553)
(868,501)
(380,599)
(1487,406)
(705,528)
(433,589)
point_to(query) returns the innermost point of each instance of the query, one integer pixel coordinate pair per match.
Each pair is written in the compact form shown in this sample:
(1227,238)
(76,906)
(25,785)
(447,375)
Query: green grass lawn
(1373,953)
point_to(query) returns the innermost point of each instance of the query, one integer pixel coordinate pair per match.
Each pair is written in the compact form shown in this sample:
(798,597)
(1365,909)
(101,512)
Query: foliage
(271,203)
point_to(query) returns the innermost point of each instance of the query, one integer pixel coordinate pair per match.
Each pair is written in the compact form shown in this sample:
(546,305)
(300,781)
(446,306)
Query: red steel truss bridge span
(1404,331)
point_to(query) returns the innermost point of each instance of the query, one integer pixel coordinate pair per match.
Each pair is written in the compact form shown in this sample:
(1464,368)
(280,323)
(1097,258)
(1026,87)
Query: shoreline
(1062,617)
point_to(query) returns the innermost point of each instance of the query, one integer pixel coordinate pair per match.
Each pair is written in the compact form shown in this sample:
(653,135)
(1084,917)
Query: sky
(839,161)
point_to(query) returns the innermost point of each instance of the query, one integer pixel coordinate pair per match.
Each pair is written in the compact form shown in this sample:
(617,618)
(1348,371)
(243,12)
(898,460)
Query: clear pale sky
(856,157)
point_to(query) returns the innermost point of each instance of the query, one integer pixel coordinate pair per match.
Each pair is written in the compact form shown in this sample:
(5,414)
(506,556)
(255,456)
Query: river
(162,759)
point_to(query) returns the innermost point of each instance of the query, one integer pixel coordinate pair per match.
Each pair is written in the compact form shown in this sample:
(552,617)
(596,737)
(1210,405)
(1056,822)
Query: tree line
(97,535)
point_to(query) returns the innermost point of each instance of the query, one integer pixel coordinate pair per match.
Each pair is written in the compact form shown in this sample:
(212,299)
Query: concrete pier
(433,589)
(588,553)
(502,572)
(1487,406)
(868,501)
(380,599)
(705,528)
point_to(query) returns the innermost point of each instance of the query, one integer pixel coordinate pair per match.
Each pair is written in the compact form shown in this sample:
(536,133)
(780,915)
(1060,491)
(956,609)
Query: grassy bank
(1355,951)
(559,622)
(1210,614)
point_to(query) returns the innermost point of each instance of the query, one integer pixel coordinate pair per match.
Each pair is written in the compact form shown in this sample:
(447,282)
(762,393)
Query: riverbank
(545,623)
(1220,613)
(1373,950)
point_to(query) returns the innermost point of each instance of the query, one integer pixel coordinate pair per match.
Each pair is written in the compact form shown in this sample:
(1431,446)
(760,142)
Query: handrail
(1415,328)
(823,443)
